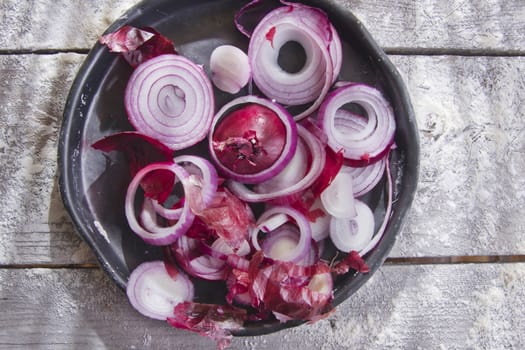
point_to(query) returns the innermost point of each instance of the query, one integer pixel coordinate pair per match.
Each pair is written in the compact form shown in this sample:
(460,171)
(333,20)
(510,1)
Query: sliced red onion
(230,69)
(361,145)
(299,251)
(243,141)
(170,98)
(154,293)
(321,226)
(187,253)
(310,28)
(170,214)
(380,232)
(163,235)
(317,154)
(206,183)
(294,171)
(355,233)
(364,179)
(338,197)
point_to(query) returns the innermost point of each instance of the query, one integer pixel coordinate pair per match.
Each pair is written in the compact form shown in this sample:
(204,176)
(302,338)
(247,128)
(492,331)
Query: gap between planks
(424,260)
(400,51)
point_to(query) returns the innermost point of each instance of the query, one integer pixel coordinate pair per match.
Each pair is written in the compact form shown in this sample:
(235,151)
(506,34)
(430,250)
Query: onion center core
(292,57)
(171,100)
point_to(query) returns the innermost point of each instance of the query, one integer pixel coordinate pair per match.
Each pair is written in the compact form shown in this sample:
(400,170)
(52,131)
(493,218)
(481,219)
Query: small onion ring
(355,233)
(171,99)
(305,239)
(164,235)
(208,177)
(364,179)
(370,146)
(318,155)
(286,154)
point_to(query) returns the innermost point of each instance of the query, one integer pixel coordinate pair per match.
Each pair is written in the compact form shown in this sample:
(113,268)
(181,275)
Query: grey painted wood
(470,198)
(429,24)
(403,307)
(34,226)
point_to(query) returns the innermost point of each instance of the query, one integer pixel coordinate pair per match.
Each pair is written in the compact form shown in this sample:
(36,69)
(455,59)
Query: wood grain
(405,26)
(403,307)
(470,199)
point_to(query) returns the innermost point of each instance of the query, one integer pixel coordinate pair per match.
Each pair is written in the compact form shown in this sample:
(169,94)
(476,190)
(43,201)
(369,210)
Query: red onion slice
(354,233)
(260,154)
(310,28)
(230,68)
(362,145)
(338,197)
(297,252)
(154,293)
(188,254)
(203,177)
(364,179)
(171,99)
(381,231)
(318,155)
(163,235)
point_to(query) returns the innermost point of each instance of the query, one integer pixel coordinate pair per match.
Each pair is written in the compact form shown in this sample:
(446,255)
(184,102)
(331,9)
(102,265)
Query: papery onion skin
(137,45)
(252,139)
(171,99)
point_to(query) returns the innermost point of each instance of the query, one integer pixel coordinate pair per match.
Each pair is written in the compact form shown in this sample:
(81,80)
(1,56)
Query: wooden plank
(470,197)
(405,25)
(410,307)
(34,226)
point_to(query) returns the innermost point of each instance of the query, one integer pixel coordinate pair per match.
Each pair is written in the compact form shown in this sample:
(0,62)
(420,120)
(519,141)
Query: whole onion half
(363,140)
(252,139)
(162,235)
(310,28)
(171,99)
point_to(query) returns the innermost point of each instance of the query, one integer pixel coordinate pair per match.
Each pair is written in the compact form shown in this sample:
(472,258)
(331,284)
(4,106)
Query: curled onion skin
(283,157)
(163,235)
(171,99)
(154,293)
(362,144)
(310,28)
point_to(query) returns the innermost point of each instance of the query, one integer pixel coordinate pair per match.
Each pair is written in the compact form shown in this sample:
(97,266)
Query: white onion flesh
(354,233)
(154,293)
(230,68)
(338,197)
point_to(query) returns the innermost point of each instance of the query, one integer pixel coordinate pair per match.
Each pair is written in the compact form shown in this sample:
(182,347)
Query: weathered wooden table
(455,278)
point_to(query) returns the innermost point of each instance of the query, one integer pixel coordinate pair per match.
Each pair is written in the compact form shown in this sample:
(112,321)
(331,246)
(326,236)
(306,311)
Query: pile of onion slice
(306,182)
